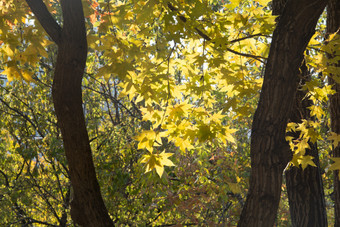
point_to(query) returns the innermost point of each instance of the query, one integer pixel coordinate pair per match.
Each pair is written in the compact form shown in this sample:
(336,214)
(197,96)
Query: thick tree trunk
(305,189)
(333,25)
(269,150)
(87,207)
(306,195)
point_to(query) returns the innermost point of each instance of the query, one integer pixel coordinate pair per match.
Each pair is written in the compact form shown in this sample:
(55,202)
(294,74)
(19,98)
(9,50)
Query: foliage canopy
(169,92)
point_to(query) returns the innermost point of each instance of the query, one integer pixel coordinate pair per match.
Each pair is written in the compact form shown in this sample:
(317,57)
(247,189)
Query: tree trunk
(87,207)
(305,189)
(269,151)
(333,25)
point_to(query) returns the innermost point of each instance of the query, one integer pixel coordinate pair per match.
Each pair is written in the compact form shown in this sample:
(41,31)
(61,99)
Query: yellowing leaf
(302,146)
(164,159)
(305,161)
(151,161)
(234,188)
(157,162)
(27,76)
(228,134)
(146,140)
(217,117)
(295,161)
(234,3)
(317,111)
(11,73)
(205,133)
(335,138)
(8,50)
(183,144)
(335,165)
(179,110)
(313,40)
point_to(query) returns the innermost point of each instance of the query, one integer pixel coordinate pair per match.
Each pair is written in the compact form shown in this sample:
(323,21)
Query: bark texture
(278,6)
(269,150)
(305,189)
(87,207)
(333,25)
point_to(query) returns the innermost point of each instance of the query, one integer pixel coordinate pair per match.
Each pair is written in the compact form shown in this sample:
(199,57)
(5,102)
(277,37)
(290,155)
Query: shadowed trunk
(87,207)
(333,25)
(305,189)
(269,150)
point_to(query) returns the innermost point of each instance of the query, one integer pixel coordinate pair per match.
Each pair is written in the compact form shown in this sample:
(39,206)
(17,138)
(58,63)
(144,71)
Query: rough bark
(305,189)
(269,150)
(278,6)
(333,25)
(87,207)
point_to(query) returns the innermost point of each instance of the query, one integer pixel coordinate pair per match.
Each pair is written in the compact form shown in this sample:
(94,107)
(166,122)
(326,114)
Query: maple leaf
(183,144)
(217,117)
(302,146)
(205,133)
(335,165)
(305,161)
(179,110)
(335,138)
(157,161)
(228,134)
(234,188)
(146,140)
(295,161)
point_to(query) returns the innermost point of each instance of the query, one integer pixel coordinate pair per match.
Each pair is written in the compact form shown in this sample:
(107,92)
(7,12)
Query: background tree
(33,167)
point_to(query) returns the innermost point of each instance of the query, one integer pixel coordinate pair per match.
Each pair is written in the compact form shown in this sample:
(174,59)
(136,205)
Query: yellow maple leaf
(11,72)
(27,76)
(157,162)
(335,138)
(234,3)
(228,134)
(305,161)
(234,188)
(302,146)
(146,140)
(294,160)
(335,165)
(217,117)
(179,110)
(183,144)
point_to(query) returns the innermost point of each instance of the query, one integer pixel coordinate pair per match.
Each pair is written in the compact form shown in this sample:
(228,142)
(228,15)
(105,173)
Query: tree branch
(45,19)
(207,38)
(6,178)
(248,37)
(258,58)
